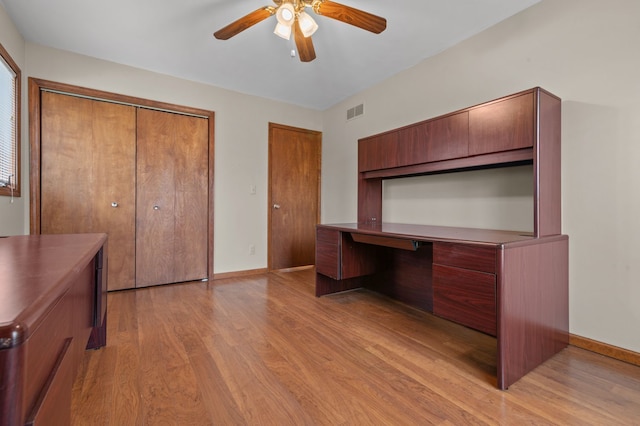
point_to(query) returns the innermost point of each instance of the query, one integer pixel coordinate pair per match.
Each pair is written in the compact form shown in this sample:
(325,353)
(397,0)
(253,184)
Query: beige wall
(12,217)
(586,52)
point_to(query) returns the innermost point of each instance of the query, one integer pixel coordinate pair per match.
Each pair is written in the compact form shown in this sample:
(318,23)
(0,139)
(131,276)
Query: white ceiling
(174,37)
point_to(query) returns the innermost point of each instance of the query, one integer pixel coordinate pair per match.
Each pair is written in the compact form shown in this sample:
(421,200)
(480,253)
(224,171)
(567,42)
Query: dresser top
(35,271)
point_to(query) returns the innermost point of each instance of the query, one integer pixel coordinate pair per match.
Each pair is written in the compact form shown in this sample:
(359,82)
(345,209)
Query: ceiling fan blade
(304,44)
(243,23)
(351,16)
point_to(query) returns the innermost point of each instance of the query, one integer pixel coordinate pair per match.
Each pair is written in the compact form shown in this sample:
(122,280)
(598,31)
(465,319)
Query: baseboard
(238,274)
(605,349)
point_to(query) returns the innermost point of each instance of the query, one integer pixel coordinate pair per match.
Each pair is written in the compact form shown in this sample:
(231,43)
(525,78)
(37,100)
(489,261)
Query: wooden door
(172,200)
(294,195)
(87,175)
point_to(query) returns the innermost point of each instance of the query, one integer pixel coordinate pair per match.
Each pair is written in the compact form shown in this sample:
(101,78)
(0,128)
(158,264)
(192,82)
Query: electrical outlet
(252,249)
(252,189)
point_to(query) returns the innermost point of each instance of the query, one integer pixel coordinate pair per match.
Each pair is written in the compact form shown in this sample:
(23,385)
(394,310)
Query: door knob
(114,204)
(276,206)
(156,207)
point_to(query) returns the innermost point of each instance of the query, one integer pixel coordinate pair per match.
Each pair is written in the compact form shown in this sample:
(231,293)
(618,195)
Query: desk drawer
(328,253)
(466,297)
(329,236)
(477,258)
(341,258)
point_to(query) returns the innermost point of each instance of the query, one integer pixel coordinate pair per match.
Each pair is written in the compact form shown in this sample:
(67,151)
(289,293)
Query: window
(9,125)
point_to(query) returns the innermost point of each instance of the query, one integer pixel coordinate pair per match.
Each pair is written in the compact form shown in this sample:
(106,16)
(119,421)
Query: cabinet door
(434,140)
(502,125)
(378,152)
(87,175)
(172,202)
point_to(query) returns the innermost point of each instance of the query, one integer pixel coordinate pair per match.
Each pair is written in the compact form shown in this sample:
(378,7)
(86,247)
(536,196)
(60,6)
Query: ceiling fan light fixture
(292,12)
(283,31)
(308,25)
(286,14)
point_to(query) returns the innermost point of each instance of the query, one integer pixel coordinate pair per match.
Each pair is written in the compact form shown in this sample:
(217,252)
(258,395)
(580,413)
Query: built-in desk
(506,284)
(52,306)
(510,285)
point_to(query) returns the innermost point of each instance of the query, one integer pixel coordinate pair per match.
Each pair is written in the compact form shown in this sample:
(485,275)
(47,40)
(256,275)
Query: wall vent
(355,112)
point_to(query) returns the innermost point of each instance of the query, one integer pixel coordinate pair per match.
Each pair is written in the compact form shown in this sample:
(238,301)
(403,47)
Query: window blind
(8,130)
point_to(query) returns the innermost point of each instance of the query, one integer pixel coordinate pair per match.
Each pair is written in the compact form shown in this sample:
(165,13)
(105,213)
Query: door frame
(36,86)
(270,200)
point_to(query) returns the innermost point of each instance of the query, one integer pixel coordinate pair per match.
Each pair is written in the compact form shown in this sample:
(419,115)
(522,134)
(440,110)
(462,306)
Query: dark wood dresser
(52,308)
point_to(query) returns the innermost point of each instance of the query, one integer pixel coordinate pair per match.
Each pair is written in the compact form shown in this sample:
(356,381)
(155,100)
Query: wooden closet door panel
(172,198)
(66,164)
(192,200)
(156,198)
(87,163)
(114,132)
(154,238)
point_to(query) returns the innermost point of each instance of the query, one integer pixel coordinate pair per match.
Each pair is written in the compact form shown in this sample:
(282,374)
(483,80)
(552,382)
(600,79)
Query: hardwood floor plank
(168,385)
(262,349)
(355,361)
(124,391)
(88,392)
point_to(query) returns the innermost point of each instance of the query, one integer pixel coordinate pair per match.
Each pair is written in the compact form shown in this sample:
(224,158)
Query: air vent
(355,112)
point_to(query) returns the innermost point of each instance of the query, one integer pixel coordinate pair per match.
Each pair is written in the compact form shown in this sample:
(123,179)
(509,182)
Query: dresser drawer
(53,406)
(466,297)
(467,256)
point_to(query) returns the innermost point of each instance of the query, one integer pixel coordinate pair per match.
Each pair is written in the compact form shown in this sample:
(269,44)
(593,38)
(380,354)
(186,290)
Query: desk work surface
(434,233)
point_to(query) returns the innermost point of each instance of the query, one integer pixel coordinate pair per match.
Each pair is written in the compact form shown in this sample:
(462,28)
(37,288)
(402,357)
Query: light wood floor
(263,350)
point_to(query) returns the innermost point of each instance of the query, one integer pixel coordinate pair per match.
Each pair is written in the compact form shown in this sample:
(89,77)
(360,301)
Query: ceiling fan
(292,17)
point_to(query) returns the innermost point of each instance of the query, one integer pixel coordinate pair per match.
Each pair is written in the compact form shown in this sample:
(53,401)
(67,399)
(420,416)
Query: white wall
(12,211)
(584,51)
(241,141)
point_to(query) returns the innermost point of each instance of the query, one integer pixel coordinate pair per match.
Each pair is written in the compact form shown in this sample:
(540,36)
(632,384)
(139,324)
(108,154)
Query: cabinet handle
(114,204)
(276,206)
(156,207)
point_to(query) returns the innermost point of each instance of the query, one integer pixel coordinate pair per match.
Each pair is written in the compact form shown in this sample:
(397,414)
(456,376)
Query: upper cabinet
(502,125)
(506,124)
(434,140)
(380,152)
(522,128)
(439,139)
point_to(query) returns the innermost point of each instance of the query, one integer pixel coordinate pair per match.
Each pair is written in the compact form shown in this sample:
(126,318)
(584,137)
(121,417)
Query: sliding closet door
(87,175)
(172,198)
